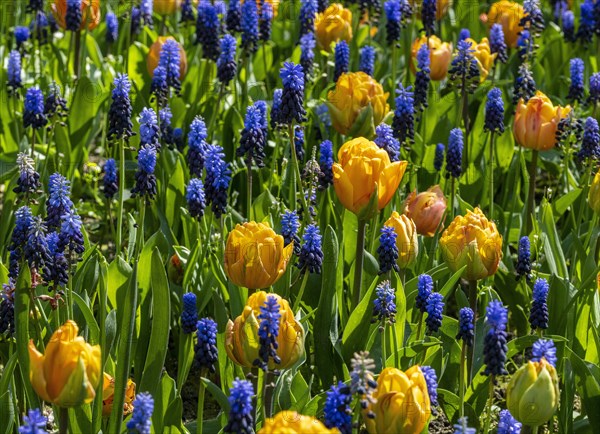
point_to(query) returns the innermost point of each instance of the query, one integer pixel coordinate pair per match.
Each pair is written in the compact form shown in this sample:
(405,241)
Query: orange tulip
(426,209)
(154,56)
(483,55)
(508,14)
(90,13)
(440,56)
(108,391)
(166,7)
(334,24)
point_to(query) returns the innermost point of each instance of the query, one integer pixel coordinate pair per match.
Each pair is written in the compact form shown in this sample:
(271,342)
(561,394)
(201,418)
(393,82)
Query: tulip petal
(36,372)
(77,390)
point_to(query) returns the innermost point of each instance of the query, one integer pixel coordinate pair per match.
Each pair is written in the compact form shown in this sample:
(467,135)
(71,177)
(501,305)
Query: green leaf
(353,339)
(90,321)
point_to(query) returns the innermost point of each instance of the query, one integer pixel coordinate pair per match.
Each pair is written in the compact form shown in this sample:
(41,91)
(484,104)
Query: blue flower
(166,130)
(463,72)
(21,35)
(326,164)
(34,6)
(523,267)
(112,28)
(524,84)
(136,20)
(337,410)
(494,112)
(533,18)
(55,103)
(292,96)
(197,146)
(187,12)
(454,153)
(268,331)
(149,131)
(23,220)
(544,349)
(290,224)
(265,21)
(466,326)
(205,351)
(342,59)
(33,113)
(146,8)
(159,89)
(70,237)
(13,71)
(525,45)
(119,114)
(13,264)
(56,270)
(462,428)
(428,12)
(432,384)
(367,60)
(39,27)
(362,381)
(422,78)
(145,179)
(207,29)
(387,250)
(495,341)
(311,253)
(276,109)
(393,14)
(497,44)
(249,26)
(508,424)
(196,199)
(587,22)
(169,59)
(404,116)
(438,159)
(424,290)
(36,250)
(464,34)
(299,142)
(594,88)
(322,5)
(73,15)
(308,12)
(226,64)
(384,305)
(590,145)
(253,138)
(576,88)
(307,52)
(59,201)
(435,307)
(234,16)
(241,413)
(29,180)
(218,177)
(33,423)
(568,26)
(538,315)
(141,419)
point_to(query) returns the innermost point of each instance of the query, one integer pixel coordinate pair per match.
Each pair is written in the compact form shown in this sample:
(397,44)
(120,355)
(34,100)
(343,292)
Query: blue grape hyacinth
(508,424)
(234,16)
(463,72)
(70,238)
(141,419)
(311,254)
(241,413)
(34,423)
(523,266)
(249,27)
(119,113)
(454,154)
(466,327)
(337,410)
(33,111)
(428,14)
(544,349)
(253,138)
(576,88)
(387,250)
(267,333)
(292,96)
(494,112)
(308,12)
(226,64)
(587,22)
(538,316)
(404,116)
(218,177)
(367,60)
(495,341)
(290,224)
(22,35)
(208,29)
(145,179)
(424,290)
(422,78)
(590,145)
(342,59)
(568,26)
(56,270)
(28,181)
(384,305)
(497,44)
(197,146)
(432,384)
(393,14)
(59,201)
(265,21)
(170,57)
(307,53)
(438,159)
(13,72)
(435,307)
(325,164)
(196,199)
(205,351)
(149,130)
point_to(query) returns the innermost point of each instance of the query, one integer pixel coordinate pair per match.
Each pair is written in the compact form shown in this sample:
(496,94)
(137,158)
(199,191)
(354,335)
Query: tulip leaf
(216,393)
(7,404)
(358,325)
(159,336)
(90,321)
(450,403)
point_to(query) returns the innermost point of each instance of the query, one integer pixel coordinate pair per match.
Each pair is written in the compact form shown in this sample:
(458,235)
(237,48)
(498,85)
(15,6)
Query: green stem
(473,305)
(249,184)
(461,381)
(531,195)
(394,60)
(200,415)
(141,225)
(213,116)
(63,420)
(77,54)
(296,165)
(491,175)
(488,407)
(358,265)
(383,349)
(301,292)
(395,339)
(264,53)
(268,388)
(452,195)
(420,326)
(119,239)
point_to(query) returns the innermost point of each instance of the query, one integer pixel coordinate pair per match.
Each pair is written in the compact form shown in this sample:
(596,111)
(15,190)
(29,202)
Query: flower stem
(383,351)
(473,305)
(268,388)
(531,194)
(249,184)
(119,239)
(461,381)
(358,265)
(141,225)
(301,292)
(491,175)
(63,420)
(200,414)
(297,172)
(488,407)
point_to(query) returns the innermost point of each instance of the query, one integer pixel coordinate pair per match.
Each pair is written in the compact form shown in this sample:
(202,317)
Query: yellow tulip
(357,104)
(483,55)
(426,210)
(440,56)
(441,7)
(406,238)
(594,194)
(333,25)
(532,394)
(242,341)
(402,403)
(363,170)
(154,56)
(474,241)
(166,7)
(508,14)
(108,391)
(290,422)
(68,374)
(255,256)
(90,13)
(536,122)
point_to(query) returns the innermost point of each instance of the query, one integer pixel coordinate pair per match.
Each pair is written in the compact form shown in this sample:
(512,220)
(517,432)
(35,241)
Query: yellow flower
(290,422)
(402,403)
(68,374)
(357,104)
(241,336)
(536,122)
(166,7)
(255,256)
(154,55)
(440,56)
(508,14)
(474,241)
(364,170)
(90,13)
(483,55)
(532,394)
(594,194)
(108,391)
(406,238)
(426,209)
(441,7)
(332,25)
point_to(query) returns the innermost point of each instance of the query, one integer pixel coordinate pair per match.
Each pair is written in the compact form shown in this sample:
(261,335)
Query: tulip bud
(508,14)
(90,13)
(108,391)
(242,341)
(255,256)
(154,56)
(401,403)
(406,238)
(175,270)
(357,104)
(440,56)
(426,210)
(594,194)
(334,24)
(68,374)
(474,241)
(483,55)
(166,7)
(290,422)
(532,394)
(536,122)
